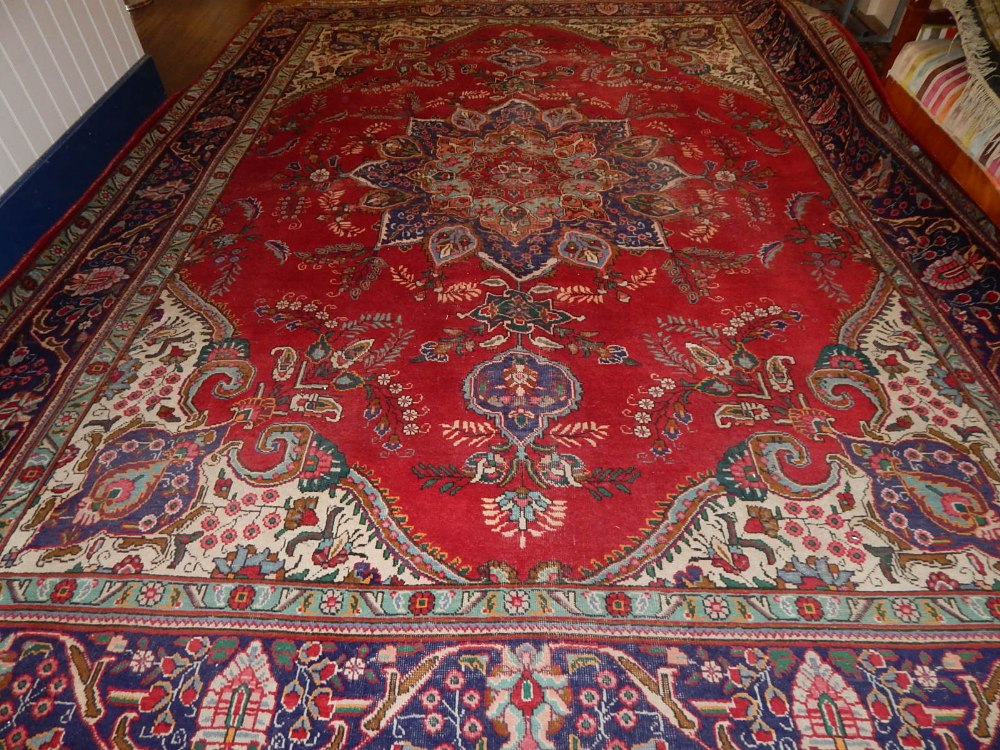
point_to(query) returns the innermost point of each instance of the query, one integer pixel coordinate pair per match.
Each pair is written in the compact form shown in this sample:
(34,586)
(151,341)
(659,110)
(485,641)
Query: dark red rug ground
(537,375)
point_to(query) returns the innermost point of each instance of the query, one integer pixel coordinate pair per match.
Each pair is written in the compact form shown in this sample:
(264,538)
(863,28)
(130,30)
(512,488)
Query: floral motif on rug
(507,376)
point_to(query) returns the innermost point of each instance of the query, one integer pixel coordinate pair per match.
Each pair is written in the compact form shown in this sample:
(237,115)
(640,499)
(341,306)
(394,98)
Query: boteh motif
(522,187)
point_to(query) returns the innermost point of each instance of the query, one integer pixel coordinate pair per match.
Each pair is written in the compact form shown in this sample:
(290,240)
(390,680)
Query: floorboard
(184,36)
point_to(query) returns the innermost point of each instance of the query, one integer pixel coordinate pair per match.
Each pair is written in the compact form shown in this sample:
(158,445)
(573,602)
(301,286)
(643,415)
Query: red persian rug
(508,375)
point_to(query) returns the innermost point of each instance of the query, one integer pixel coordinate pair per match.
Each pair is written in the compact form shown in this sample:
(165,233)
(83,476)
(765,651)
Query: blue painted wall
(64,173)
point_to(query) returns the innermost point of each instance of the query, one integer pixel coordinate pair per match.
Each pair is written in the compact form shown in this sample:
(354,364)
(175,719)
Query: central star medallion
(523,188)
(518,181)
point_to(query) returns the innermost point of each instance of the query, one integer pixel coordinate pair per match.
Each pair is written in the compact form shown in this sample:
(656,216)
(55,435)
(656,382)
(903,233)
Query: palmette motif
(513,352)
(239,692)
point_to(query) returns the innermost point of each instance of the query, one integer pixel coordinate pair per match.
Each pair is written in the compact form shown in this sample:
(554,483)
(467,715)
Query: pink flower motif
(626,718)
(354,668)
(586,724)
(967,468)
(906,610)
(128,565)
(938,581)
(923,537)
(330,602)
(516,601)
(95,280)
(716,607)
(41,708)
(628,695)
(472,729)
(471,699)
(711,672)
(607,680)
(150,594)
(454,680)
(430,699)
(21,685)
(146,523)
(433,722)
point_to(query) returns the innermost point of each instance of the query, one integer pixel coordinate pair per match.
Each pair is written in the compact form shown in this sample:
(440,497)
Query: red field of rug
(536,375)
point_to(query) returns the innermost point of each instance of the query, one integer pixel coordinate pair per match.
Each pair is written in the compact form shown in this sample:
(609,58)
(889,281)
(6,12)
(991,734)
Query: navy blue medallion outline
(522,188)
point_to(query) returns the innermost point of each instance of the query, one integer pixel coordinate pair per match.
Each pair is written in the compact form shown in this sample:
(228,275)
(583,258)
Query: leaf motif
(495,282)
(580,293)
(33,648)
(711,198)
(404,277)
(576,433)
(399,147)
(797,205)
(229,271)
(250,206)
(460,292)
(642,277)
(679,324)
(344,227)
(667,354)
(652,204)
(280,249)
(544,342)
(383,199)
(494,341)
(637,147)
(474,433)
(714,387)
(702,232)
(390,351)
(768,251)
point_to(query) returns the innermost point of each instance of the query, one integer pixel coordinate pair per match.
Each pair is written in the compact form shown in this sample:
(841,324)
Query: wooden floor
(184,36)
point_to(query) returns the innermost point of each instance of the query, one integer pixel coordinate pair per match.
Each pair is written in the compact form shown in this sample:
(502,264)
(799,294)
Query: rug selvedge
(197,478)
